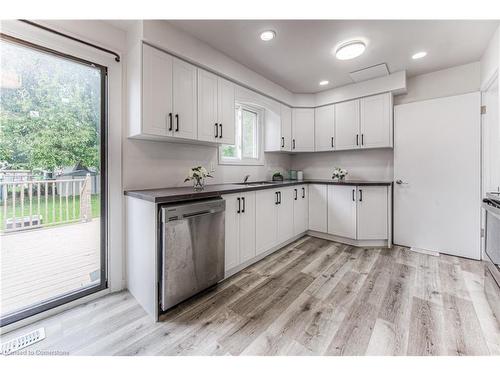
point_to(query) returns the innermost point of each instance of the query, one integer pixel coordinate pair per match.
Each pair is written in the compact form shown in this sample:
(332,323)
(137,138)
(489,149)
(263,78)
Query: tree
(51,117)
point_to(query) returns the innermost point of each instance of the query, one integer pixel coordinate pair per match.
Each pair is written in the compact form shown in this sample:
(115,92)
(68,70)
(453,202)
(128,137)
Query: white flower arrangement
(339,173)
(198,175)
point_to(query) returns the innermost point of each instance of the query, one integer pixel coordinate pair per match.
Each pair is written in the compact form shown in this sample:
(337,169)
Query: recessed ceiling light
(323,83)
(350,50)
(267,35)
(419,55)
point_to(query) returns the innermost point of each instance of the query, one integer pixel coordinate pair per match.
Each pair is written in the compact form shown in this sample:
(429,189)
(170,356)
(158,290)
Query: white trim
(349,241)
(115,257)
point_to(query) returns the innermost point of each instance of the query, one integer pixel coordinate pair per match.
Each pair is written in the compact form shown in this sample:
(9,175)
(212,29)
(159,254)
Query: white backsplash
(148,164)
(374,164)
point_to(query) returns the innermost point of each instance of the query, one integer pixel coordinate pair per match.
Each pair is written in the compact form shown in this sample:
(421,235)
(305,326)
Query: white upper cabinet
(324,128)
(157,113)
(376,121)
(300,209)
(208,106)
(318,207)
(342,211)
(372,214)
(226,111)
(286,128)
(216,108)
(302,129)
(347,125)
(184,100)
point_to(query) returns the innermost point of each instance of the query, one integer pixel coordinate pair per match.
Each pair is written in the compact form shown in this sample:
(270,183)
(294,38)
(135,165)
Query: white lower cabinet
(372,213)
(300,209)
(240,229)
(342,211)
(266,223)
(318,207)
(285,214)
(358,213)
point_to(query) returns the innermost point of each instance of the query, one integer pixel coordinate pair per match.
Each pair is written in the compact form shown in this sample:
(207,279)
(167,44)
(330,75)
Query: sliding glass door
(52,179)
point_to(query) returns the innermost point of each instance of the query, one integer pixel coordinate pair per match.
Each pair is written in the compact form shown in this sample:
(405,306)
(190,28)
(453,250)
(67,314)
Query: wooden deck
(41,264)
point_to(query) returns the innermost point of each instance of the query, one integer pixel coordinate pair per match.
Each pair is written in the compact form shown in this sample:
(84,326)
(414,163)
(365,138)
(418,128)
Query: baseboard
(349,241)
(424,251)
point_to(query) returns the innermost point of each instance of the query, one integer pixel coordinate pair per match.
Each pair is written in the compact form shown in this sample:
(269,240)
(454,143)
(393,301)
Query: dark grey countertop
(184,193)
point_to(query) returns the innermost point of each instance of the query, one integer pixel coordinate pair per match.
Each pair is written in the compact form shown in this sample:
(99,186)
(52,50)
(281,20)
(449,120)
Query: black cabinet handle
(303,192)
(279,192)
(360,195)
(293,144)
(282,141)
(276,201)
(243,199)
(362,139)
(216,130)
(295,194)
(177,122)
(332,142)
(357,139)
(239,206)
(170,118)
(353,198)
(220,136)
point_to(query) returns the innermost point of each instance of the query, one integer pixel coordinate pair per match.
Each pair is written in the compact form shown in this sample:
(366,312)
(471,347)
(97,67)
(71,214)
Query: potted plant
(339,173)
(198,175)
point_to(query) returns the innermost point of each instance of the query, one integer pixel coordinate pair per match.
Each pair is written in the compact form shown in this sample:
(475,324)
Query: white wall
(447,82)
(361,164)
(490,59)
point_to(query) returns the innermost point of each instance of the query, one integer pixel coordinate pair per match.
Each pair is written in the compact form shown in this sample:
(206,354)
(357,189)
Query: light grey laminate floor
(313,297)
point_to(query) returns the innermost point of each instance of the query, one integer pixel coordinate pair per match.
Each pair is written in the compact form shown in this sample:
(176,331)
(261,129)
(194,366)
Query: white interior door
(437,160)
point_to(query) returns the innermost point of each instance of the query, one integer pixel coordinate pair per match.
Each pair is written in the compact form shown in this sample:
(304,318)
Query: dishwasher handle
(190,210)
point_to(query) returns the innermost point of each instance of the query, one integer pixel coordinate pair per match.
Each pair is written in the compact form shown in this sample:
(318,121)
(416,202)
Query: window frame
(54,302)
(260,112)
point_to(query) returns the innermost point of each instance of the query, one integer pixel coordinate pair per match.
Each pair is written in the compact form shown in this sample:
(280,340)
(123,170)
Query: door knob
(401,182)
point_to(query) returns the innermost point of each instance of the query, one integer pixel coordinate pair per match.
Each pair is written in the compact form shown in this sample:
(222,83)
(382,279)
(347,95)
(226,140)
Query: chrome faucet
(246,178)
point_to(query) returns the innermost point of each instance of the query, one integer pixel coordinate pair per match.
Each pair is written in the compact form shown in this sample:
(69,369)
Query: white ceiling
(300,55)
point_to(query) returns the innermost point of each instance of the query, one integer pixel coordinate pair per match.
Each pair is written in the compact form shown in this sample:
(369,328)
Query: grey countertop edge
(184,193)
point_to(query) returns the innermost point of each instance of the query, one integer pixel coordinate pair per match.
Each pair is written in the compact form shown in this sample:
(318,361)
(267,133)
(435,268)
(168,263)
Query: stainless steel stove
(491,204)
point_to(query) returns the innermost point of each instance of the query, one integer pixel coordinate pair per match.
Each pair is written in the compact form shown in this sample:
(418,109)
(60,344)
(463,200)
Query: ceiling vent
(371,72)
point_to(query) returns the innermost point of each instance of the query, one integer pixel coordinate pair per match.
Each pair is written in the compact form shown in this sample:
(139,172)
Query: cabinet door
(318,207)
(226,111)
(372,215)
(285,214)
(208,129)
(184,100)
(324,121)
(300,210)
(232,243)
(302,129)
(342,211)
(286,128)
(156,91)
(265,220)
(347,125)
(247,227)
(376,121)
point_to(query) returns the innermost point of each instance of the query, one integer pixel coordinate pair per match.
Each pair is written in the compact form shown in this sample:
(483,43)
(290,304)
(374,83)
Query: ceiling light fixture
(267,35)
(350,50)
(323,83)
(419,55)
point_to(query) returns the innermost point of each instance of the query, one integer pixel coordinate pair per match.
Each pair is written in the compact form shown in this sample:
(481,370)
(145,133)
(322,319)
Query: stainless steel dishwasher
(192,249)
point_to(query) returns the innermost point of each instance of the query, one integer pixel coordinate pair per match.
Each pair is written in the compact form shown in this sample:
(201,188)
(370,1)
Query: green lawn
(50,219)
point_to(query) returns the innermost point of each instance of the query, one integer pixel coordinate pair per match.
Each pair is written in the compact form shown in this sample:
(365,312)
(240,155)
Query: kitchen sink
(259,183)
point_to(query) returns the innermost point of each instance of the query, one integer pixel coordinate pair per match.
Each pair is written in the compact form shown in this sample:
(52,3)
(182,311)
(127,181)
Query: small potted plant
(277,176)
(339,173)
(198,175)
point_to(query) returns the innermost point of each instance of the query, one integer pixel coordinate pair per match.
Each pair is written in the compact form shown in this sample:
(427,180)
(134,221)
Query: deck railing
(36,203)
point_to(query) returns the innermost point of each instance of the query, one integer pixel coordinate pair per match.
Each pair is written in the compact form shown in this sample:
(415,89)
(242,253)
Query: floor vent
(23,341)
